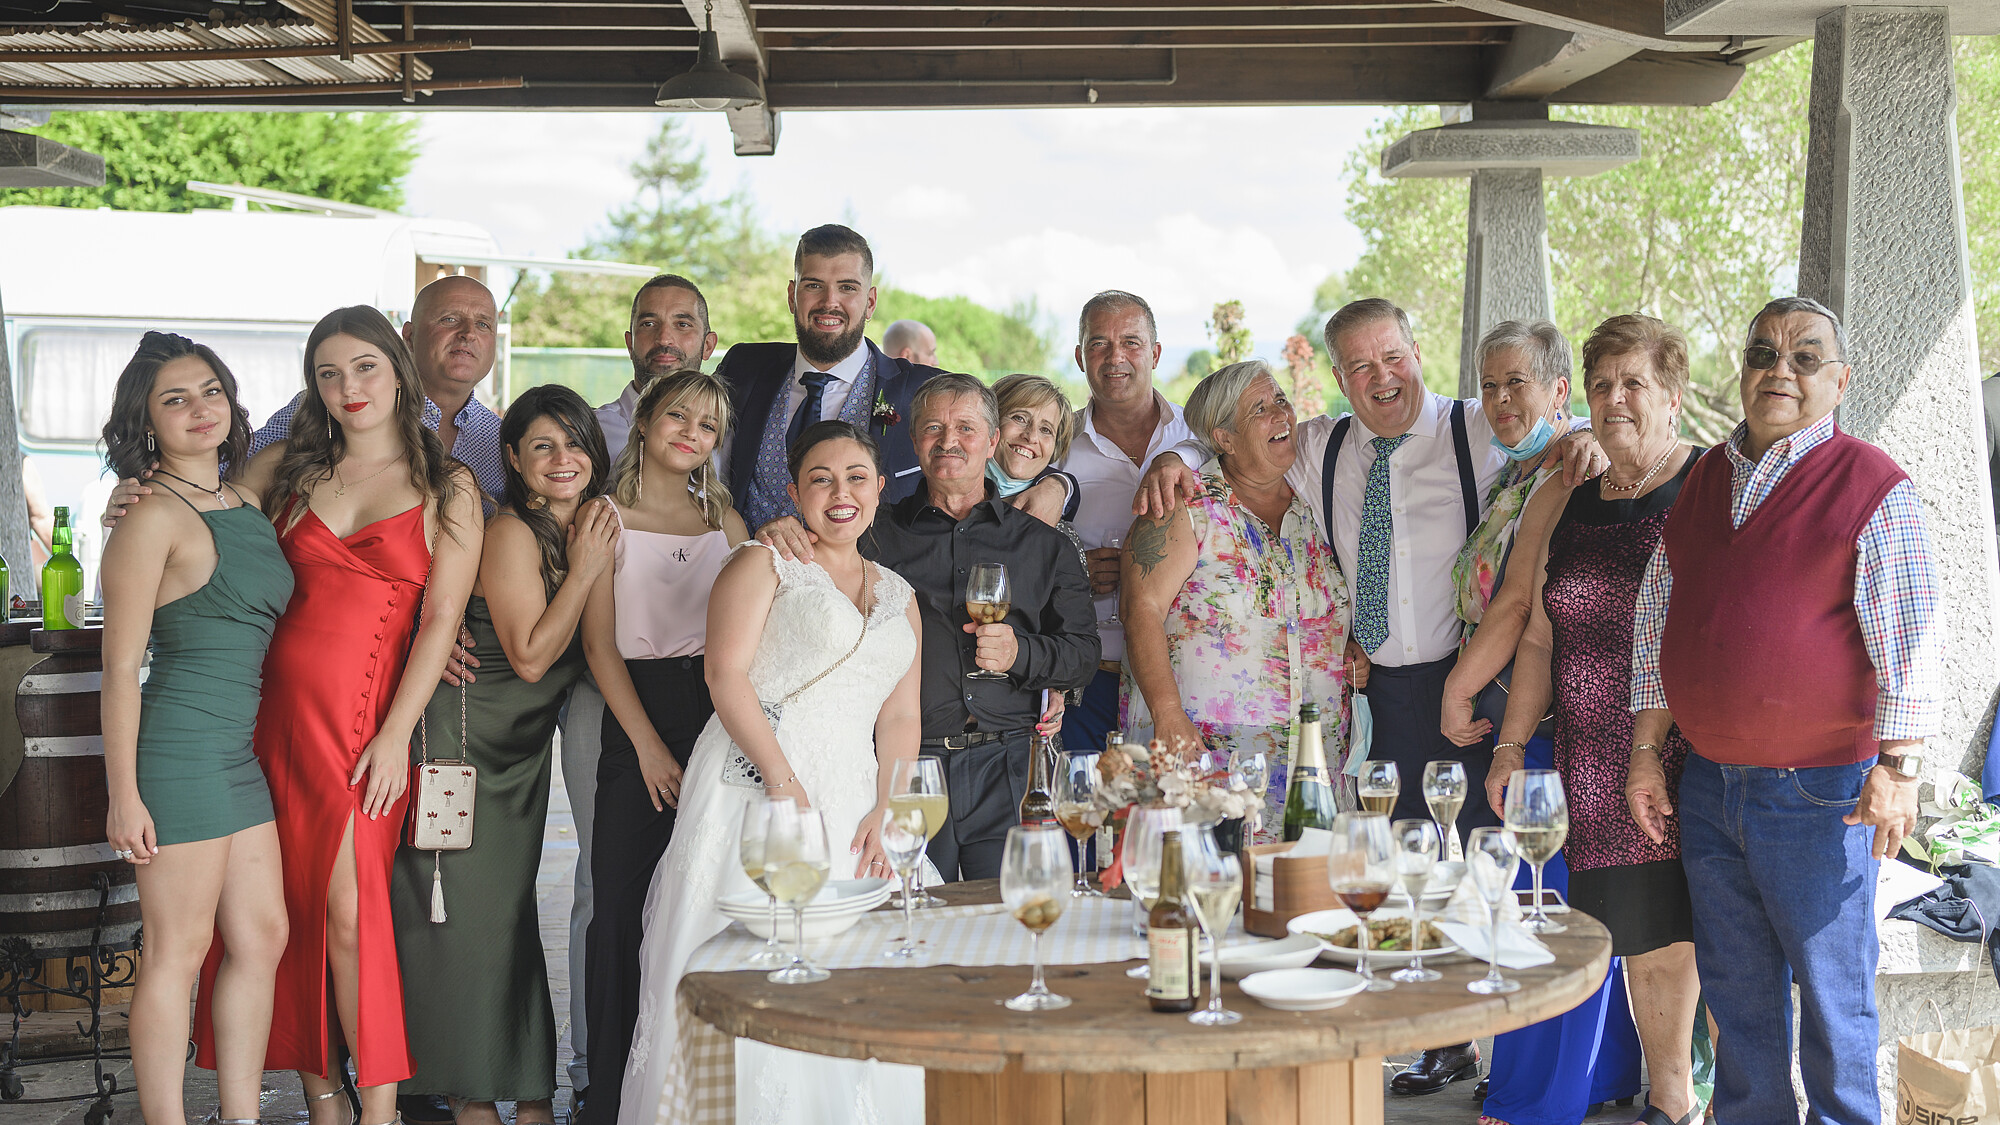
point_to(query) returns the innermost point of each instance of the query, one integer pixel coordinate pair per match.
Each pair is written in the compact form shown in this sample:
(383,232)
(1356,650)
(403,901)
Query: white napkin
(1518,947)
(1312,842)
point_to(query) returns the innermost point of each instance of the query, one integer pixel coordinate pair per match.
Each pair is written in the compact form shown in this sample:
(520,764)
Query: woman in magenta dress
(383,532)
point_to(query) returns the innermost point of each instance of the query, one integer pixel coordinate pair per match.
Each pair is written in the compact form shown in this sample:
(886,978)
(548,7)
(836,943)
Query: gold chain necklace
(1650,473)
(340,485)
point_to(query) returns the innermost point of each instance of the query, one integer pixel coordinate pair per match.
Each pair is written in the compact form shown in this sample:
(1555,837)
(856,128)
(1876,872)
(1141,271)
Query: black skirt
(1644,905)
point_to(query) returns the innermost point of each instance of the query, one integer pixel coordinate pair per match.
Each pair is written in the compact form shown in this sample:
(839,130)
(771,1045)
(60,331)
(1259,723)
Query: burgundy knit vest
(1762,660)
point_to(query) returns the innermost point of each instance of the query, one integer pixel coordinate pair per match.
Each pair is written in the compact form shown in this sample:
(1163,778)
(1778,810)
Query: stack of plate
(1302,990)
(840,904)
(1239,961)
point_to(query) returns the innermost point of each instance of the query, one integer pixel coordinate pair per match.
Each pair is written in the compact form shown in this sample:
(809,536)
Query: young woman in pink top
(644,632)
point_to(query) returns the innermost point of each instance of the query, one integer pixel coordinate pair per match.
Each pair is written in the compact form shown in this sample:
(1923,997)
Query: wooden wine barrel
(52,844)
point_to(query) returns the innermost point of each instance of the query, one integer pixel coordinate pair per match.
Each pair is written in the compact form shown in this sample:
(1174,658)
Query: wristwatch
(1909,765)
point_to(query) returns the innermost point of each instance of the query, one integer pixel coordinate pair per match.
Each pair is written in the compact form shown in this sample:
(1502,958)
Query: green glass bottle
(62,581)
(1309,797)
(6,600)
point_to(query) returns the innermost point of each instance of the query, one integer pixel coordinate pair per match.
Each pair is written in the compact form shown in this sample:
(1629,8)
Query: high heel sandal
(215,1118)
(354,1114)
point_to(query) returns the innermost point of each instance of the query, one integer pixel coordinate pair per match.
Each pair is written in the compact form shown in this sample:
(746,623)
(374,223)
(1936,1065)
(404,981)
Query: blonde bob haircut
(706,487)
(1032,392)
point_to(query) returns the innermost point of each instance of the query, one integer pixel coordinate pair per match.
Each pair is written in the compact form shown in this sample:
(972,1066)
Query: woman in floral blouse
(1235,611)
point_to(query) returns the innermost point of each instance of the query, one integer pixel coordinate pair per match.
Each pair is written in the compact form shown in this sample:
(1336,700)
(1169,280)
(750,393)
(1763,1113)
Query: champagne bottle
(62,580)
(1172,985)
(1038,806)
(1309,797)
(6,604)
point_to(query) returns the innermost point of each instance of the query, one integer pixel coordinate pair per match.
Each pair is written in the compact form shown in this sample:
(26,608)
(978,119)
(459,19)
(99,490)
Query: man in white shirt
(1124,426)
(669,331)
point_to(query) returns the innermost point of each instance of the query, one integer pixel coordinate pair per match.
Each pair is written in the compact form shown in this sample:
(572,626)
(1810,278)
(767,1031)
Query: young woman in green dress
(201,583)
(475,986)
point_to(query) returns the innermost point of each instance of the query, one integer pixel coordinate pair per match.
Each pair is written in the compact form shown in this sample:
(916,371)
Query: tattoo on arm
(1148,544)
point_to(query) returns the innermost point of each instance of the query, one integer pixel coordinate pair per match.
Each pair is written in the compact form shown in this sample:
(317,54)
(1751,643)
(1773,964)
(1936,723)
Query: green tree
(971,337)
(149,157)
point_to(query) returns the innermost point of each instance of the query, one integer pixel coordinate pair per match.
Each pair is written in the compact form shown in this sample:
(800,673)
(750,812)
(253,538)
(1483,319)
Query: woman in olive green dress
(200,581)
(475,986)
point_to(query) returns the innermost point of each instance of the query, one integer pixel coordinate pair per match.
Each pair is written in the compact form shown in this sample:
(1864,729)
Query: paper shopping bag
(1949,1077)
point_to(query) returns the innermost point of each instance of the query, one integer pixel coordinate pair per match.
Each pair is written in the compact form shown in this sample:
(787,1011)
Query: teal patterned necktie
(1371,565)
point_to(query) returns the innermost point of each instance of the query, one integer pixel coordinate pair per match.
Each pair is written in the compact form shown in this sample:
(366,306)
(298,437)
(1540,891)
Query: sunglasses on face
(1759,357)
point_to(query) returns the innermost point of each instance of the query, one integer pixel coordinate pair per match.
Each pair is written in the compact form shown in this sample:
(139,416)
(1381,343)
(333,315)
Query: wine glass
(750,852)
(1034,881)
(1075,782)
(988,597)
(1416,843)
(904,834)
(796,862)
(1361,867)
(1381,784)
(1116,543)
(1444,792)
(1215,883)
(1492,859)
(1140,853)
(1537,814)
(919,783)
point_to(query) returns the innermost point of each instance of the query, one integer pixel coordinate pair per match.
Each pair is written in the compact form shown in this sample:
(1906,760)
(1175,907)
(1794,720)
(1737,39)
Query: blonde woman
(645,630)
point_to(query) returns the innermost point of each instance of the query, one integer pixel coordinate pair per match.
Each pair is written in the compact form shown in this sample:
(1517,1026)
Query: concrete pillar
(1884,246)
(1507,240)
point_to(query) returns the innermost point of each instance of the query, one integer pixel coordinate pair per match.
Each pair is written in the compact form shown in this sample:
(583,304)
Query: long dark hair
(567,408)
(318,441)
(125,447)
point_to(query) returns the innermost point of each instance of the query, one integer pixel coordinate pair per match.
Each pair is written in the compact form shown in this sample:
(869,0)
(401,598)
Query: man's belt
(970,739)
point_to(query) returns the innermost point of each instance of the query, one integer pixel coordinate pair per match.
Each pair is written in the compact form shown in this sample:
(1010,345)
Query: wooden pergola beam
(502,17)
(149,94)
(755,131)
(1211,38)
(221,54)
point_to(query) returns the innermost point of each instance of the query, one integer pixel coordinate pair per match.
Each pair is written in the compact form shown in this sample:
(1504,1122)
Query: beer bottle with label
(1172,984)
(1309,797)
(62,580)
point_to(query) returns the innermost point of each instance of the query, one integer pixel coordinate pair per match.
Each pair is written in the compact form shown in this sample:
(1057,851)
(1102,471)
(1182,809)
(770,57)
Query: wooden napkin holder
(1298,886)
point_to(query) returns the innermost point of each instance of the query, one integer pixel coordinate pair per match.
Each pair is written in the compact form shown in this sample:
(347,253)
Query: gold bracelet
(1516,745)
(1653,746)
(781,784)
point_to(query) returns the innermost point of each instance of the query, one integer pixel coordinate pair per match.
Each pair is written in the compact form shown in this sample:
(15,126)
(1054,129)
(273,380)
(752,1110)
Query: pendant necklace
(340,484)
(215,492)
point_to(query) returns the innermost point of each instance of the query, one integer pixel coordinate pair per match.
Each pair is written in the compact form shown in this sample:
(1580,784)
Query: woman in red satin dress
(383,531)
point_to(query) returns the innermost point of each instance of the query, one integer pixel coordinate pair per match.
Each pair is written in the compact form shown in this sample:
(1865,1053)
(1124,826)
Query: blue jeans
(1783,893)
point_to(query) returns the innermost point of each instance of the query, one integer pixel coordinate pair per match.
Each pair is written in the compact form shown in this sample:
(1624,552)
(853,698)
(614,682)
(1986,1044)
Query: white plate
(1334,921)
(1302,990)
(839,896)
(1238,961)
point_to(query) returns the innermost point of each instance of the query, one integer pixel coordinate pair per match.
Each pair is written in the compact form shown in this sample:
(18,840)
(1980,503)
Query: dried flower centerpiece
(1154,776)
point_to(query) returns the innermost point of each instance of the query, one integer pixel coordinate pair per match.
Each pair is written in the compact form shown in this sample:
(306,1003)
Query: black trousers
(1408,706)
(626,842)
(986,784)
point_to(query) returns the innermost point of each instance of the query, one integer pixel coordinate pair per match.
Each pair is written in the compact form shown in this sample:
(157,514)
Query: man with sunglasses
(1787,622)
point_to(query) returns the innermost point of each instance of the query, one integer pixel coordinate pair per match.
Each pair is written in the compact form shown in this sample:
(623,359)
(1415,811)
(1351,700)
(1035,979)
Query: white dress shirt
(615,419)
(1427,520)
(835,396)
(1109,481)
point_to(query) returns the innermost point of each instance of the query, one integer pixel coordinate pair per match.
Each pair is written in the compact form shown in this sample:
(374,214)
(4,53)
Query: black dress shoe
(1437,1069)
(1479,1091)
(424,1109)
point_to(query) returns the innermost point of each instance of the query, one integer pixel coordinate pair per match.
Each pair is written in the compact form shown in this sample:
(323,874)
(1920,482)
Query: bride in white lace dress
(773,625)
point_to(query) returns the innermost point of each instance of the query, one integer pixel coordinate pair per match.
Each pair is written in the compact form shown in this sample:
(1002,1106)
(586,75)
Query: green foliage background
(149,156)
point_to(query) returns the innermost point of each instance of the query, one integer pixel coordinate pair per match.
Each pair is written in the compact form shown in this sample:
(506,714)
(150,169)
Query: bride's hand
(871,861)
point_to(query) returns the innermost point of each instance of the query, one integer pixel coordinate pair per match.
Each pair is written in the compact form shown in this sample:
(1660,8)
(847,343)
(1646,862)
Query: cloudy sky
(1185,206)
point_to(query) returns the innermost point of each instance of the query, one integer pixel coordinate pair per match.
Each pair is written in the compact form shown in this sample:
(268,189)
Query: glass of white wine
(1444,792)
(988,597)
(1537,813)
(1139,852)
(919,783)
(1076,780)
(1215,882)
(1416,844)
(1492,858)
(903,838)
(1034,883)
(1361,868)
(1381,784)
(796,862)
(750,852)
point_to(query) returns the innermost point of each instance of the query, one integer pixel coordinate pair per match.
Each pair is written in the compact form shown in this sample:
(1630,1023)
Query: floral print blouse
(1477,573)
(1259,629)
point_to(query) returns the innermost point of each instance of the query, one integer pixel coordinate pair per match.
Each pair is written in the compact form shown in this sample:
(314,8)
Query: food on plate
(1387,935)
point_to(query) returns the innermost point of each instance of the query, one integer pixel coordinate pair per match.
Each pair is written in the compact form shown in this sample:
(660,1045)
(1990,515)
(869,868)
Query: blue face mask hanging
(1002,483)
(1531,446)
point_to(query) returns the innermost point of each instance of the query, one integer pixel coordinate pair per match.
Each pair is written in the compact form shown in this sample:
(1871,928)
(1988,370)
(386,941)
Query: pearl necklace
(1607,486)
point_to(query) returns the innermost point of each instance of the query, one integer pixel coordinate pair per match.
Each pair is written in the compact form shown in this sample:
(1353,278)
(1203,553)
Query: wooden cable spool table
(1109,1059)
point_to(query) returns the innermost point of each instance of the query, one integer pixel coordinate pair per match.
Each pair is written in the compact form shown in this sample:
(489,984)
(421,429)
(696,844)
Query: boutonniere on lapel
(885,414)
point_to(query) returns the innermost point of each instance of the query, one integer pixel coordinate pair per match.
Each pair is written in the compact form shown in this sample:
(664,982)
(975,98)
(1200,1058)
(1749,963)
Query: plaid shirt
(1895,592)
(478,439)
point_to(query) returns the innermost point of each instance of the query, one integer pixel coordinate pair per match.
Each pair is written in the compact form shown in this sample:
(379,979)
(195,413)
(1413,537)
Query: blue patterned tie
(1371,556)
(815,382)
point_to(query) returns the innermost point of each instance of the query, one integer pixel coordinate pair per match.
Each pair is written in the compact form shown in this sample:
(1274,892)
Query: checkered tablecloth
(1092,931)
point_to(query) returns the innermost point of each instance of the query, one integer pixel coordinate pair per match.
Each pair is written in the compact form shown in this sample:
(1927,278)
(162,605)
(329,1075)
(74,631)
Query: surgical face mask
(1002,483)
(1531,446)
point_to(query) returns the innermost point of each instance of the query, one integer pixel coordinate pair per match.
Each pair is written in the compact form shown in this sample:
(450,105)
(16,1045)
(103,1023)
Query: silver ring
(122,854)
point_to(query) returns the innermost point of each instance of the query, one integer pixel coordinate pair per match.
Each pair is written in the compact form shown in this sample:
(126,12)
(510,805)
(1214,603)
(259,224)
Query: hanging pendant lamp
(708,85)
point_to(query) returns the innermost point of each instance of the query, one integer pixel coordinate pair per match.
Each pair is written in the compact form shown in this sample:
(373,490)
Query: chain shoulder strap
(867,587)
(423,721)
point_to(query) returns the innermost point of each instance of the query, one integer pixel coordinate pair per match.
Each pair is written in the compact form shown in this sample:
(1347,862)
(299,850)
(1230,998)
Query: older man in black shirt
(983,729)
